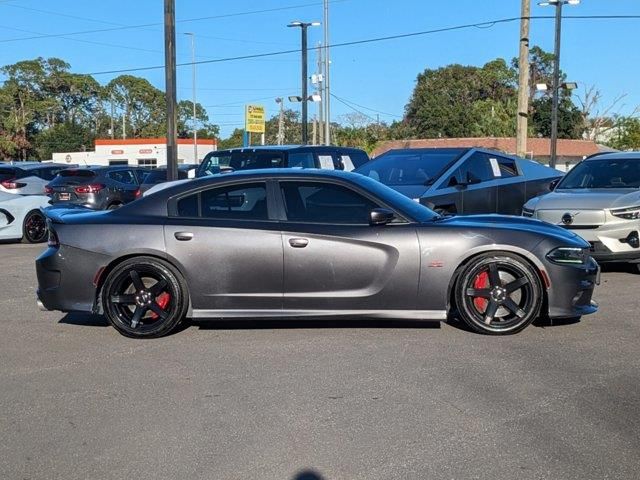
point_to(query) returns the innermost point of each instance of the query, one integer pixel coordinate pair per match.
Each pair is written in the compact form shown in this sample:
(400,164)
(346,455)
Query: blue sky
(379,76)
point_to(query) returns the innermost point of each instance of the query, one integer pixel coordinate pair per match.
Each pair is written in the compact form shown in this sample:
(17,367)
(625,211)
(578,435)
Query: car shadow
(88,320)
(308,323)
(619,268)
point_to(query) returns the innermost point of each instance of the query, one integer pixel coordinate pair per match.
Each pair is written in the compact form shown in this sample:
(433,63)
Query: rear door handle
(298,242)
(183,236)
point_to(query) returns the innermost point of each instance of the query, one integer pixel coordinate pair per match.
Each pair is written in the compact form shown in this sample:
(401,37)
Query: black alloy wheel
(34,229)
(498,294)
(144,297)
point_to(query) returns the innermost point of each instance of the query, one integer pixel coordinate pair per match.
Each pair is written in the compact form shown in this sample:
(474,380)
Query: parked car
(28,178)
(159,175)
(98,188)
(600,200)
(308,243)
(462,180)
(282,156)
(21,217)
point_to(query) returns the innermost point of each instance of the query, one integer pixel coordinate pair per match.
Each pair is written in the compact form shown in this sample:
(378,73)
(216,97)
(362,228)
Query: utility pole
(124,122)
(280,101)
(112,114)
(193,86)
(314,135)
(320,82)
(523,81)
(326,95)
(170,87)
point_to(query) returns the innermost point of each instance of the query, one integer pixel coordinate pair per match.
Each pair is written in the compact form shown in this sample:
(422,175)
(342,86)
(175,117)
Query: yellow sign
(254,118)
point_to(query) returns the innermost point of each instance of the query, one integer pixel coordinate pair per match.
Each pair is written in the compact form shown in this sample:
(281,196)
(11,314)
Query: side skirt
(391,314)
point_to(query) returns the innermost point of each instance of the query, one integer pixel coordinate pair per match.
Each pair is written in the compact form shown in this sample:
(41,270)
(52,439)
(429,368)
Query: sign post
(254,121)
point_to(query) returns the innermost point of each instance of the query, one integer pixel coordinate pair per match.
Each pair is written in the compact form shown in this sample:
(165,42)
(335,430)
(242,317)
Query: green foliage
(570,120)
(63,137)
(626,134)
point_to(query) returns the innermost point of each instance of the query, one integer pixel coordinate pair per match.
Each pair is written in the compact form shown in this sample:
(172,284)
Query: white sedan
(21,217)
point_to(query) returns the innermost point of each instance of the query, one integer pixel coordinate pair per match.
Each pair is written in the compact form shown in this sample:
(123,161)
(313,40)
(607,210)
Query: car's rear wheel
(34,228)
(498,294)
(144,297)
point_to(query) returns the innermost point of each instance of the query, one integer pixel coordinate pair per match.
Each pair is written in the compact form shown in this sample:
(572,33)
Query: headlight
(527,212)
(568,256)
(628,213)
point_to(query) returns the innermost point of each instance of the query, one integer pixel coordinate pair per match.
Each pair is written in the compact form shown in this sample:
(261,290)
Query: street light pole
(556,76)
(193,86)
(305,94)
(327,91)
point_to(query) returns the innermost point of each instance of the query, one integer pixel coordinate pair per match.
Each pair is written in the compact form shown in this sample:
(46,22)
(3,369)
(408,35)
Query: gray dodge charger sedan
(599,199)
(307,243)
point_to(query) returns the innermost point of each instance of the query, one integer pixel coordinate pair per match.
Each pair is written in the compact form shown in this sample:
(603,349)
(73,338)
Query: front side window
(477,168)
(258,160)
(604,173)
(317,202)
(234,202)
(301,160)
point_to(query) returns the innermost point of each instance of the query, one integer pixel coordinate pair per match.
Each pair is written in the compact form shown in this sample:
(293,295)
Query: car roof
(30,165)
(283,148)
(614,156)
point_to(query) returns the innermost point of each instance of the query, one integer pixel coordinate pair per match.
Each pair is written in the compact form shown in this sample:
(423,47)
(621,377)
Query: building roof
(151,141)
(536,147)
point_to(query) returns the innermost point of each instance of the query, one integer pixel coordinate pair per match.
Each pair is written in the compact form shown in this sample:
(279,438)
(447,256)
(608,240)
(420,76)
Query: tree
(442,104)
(63,137)
(142,104)
(570,124)
(185,121)
(626,134)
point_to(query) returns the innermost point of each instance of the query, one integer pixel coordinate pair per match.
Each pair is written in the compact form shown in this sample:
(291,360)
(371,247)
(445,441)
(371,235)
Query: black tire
(144,297)
(34,227)
(114,206)
(498,294)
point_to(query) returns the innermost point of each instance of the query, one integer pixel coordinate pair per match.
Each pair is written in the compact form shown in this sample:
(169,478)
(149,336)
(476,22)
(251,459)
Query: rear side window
(48,173)
(123,176)
(257,160)
(234,202)
(507,166)
(8,174)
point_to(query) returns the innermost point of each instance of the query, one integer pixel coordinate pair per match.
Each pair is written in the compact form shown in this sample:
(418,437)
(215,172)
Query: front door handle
(183,236)
(298,242)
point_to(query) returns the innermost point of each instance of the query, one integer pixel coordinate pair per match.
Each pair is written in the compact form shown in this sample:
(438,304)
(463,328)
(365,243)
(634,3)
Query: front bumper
(571,290)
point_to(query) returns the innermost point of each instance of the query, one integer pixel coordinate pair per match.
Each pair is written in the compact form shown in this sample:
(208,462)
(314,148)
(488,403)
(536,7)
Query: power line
(368,40)
(155,24)
(353,108)
(370,109)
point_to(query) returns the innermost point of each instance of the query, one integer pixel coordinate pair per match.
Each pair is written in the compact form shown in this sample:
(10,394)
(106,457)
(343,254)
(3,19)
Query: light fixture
(295,98)
(542,87)
(569,85)
(316,97)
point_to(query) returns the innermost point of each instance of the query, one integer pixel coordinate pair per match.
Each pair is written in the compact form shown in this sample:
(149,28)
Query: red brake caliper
(163,301)
(481,281)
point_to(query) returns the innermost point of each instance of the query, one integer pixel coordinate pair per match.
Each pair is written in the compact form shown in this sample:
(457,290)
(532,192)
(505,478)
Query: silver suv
(599,199)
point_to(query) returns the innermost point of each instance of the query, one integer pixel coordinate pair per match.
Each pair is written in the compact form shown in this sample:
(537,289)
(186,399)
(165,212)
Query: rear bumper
(572,287)
(66,285)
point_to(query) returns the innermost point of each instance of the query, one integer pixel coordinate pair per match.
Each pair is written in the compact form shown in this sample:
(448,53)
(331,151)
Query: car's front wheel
(498,294)
(144,297)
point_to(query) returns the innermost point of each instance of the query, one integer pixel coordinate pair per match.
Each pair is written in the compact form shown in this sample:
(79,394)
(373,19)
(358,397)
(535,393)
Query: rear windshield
(77,173)
(604,173)
(406,167)
(73,177)
(7,174)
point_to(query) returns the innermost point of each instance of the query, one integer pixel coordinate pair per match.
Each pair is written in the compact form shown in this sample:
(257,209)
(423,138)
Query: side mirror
(381,216)
(554,184)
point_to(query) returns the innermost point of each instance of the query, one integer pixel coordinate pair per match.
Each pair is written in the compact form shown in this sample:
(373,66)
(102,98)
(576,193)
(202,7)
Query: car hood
(521,224)
(587,199)
(411,191)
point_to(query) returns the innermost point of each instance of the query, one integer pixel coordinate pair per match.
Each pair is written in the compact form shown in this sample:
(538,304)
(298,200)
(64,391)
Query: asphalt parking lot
(347,400)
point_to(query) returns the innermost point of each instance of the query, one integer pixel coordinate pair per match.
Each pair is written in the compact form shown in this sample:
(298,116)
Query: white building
(148,152)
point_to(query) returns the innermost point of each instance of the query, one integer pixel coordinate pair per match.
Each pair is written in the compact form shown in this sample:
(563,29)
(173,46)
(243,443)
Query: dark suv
(98,188)
(159,175)
(283,156)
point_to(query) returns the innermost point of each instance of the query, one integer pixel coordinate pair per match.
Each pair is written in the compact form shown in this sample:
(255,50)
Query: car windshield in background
(604,173)
(411,168)
(213,163)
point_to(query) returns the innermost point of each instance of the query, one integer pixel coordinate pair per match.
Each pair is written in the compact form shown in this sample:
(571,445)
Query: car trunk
(63,187)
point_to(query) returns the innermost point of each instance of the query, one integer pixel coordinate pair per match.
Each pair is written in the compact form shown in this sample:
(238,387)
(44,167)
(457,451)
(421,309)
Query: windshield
(214,162)
(407,167)
(603,173)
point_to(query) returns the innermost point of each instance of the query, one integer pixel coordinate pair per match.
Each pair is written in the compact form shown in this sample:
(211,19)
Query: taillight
(12,184)
(138,193)
(93,188)
(48,190)
(53,240)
